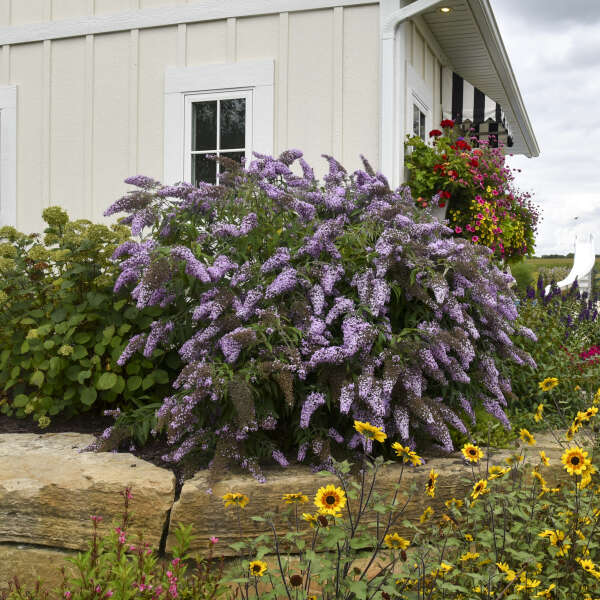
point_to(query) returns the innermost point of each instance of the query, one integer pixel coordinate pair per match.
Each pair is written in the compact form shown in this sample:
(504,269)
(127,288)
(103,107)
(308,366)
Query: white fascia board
(490,34)
(203,10)
(8,155)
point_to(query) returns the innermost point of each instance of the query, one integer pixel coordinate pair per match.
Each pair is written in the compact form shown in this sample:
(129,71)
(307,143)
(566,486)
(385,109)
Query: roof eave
(490,34)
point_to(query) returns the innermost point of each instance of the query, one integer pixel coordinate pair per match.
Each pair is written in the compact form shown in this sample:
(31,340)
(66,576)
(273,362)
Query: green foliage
(62,329)
(523,273)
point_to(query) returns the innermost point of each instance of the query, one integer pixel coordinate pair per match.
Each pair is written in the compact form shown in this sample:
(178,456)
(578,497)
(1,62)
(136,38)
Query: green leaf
(148,382)
(88,396)
(15,372)
(160,376)
(24,347)
(133,368)
(106,381)
(37,378)
(78,352)
(83,375)
(49,344)
(20,400)
(133,383)
(82,338)
(119,386)
(27,321)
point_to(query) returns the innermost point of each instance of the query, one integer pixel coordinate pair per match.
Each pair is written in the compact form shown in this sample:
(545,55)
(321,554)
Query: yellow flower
(406,454)
(370,431)
(597,397)
(527,584)
(445,568)
(430,485)
(545,460)
(556,538)
(514,458)
(472,453)
(468,537)
(258,568)
(330,499)
(453,502)
(509,574)
(479,489)
(547,593)
(592,411)
(396,541)
(548,384)
(537,417)
(537,475)
(295,498)
(235,499)
(469,556)
(310,519)
(570,433)
(427,514)
(525,436)
(496,471)
(575,460)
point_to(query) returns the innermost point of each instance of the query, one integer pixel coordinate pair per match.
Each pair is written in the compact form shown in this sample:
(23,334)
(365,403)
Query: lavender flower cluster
(299,306)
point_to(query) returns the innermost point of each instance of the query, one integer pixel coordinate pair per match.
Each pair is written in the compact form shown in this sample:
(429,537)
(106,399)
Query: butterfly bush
(299,306)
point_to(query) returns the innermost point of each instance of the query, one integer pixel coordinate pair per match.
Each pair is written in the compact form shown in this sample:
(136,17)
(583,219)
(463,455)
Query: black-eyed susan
(453,503)
(310,519)
(575,460)
(396,541)
(258,568)
(235,499)
(426,515)
(468,537)
(430,484)
(547,593)
(527,584)
(586,564)
(479,488)
(526,437)
(295,498)
(370,431)
(330,499)
(592,411)
(544,459)
(548,384)
(406,454)
(472,453)
(509,574)
(539,413)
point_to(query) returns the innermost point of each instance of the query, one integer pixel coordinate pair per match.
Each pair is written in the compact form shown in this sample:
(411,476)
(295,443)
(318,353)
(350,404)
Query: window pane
(203,169)
(422,115)
(416,112)
(237,156)
(233,123)
(204,125)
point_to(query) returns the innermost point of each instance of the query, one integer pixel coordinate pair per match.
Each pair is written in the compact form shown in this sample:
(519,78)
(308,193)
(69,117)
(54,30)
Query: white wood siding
(91,108)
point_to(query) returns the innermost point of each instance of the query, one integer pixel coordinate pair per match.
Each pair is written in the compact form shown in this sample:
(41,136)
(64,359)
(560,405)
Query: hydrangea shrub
(299,306)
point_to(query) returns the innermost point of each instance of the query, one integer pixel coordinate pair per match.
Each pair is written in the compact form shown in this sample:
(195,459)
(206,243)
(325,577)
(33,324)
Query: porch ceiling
(470,38)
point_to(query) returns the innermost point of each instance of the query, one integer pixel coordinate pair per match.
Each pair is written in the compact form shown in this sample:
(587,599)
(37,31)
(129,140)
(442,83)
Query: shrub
(298,307)
(566,325)
(472,179)
(62,329)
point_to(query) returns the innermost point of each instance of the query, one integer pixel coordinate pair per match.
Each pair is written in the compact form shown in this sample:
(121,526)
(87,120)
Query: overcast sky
(554,48)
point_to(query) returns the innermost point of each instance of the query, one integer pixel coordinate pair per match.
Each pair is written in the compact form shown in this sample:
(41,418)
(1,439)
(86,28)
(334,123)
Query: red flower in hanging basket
(474,162)
(442,203)
(447,123)
(444,194)
(435,133)
(463,145)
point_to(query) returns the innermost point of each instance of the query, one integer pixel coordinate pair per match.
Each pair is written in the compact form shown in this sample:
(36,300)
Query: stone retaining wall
(49,489)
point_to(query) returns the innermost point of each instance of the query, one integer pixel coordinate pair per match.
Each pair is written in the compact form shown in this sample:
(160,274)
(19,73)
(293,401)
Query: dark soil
(93,424)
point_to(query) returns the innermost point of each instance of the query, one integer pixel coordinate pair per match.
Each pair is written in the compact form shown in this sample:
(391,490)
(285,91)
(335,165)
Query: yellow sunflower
(430,485)
(258,568)
(575,460)
(496,471)
(453,503)
(235,499)
(310,519)
(592,411)
(370,431)
(525,436)
(396,541)
(514,459)
(586,564)
(545,460)
(330,499)
(548,384)
(295,498)
(406,454)
(547,593)
(538,416)
(472,453)
(469,556)
(479,489)
(427,514)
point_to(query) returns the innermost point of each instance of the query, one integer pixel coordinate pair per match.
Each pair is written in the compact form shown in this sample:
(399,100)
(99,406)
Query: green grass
(533,265)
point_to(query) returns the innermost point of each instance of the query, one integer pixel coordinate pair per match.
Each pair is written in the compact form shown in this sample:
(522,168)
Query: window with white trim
(216,125)
(216,110)
(419,122)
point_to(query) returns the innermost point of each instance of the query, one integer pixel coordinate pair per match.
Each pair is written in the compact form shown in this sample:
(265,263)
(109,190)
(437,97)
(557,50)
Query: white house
(92,91)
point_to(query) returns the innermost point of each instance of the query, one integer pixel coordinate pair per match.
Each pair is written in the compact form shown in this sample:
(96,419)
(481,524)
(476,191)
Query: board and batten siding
(91,108)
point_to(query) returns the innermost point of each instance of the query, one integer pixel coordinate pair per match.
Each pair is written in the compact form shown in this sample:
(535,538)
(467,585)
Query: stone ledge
(206,513)
(49,489)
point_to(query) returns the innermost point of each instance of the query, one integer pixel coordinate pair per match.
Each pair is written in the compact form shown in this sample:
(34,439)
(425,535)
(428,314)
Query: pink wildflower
(213,539)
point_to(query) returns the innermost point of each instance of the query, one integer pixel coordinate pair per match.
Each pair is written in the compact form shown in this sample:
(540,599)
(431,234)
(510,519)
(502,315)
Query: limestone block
(49,489)
(30,564)
(204,508)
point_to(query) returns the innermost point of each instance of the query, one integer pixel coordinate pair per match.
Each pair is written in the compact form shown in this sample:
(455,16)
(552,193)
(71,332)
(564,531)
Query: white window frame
(190,99)
(181,84)
(419,93)
(8,155)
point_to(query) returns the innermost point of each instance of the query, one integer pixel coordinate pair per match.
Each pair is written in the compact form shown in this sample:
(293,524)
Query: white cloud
(554,48)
